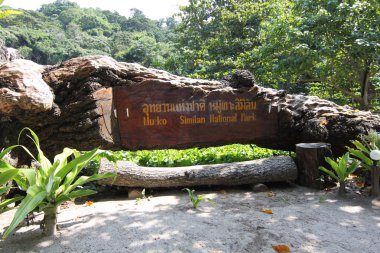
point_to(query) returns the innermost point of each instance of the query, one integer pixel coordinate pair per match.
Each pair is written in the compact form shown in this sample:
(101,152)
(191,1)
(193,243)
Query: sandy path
(305,220)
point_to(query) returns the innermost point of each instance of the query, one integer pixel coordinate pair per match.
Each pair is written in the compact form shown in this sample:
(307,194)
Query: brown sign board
(157,114)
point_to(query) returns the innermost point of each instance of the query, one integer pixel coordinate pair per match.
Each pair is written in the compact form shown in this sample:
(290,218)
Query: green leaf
(85,179)
(33,198)
(44,162)
(329,172)
(81,160)
(7,175)
(29,174)
(7,150)
(4,166)
(4,189)
(62,158)
(5,203)
(361,147)
(359,154)
(74,194)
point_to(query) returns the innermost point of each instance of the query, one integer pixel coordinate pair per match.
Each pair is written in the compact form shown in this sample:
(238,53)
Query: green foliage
(364,147)
(341,168)
(197,199)
(6,13)
(187,157)
(62,30)
(213,34)
(52,183)
(325,48)
(7,172)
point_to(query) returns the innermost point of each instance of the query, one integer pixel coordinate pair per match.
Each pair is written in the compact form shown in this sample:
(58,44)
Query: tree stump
(309,157)
(275,169)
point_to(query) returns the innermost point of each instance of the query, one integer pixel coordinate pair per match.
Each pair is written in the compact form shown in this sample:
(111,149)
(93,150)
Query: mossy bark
(49,223)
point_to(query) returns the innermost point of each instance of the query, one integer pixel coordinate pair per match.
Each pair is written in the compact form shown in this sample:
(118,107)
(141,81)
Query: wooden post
(375,177)
(309,156)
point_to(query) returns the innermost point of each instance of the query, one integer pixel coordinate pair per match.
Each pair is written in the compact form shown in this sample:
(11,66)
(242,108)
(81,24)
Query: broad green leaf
(332,163)
(44,162)
(361,147)
(85,179)
(7,175)
(62,158)
(29,174)
(5,203)
(359,154)
(29,203)
(7,150)
(4,189)
(330,173)
(4,166)
(77,161)
(74,195)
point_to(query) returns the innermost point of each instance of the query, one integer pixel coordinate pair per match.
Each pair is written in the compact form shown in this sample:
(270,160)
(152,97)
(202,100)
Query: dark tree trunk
(274,169)
(375,178)
(342,189)
(72,105)
(365,88)
(309,157)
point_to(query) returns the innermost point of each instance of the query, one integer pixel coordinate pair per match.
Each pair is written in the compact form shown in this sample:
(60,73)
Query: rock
(259,188)
(22,88)
(239,79)
(7,54)
(134,193)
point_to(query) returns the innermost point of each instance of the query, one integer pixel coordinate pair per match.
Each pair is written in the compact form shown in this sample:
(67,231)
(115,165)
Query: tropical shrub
(51,184)
(364,147)
(341,169)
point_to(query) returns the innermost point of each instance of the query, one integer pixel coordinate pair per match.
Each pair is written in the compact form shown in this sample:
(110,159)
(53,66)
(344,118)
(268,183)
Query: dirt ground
(304,219)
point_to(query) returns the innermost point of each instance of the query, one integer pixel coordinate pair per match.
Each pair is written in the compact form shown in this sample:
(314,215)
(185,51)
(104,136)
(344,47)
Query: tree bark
(274,169)
(365,85)
(72,105)
(309,157)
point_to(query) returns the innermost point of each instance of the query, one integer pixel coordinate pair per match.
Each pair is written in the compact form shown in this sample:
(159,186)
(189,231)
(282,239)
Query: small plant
(322,199)
(364,147)
(285,199)
(196,199)
(342,168)
(143,197)
(51,184)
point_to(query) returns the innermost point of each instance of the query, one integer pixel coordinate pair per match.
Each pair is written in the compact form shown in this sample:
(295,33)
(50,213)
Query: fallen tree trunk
(274,169)
(96,101)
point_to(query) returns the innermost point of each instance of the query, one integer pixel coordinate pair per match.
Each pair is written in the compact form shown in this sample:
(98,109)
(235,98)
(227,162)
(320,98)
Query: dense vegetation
(187,157)
(328,48)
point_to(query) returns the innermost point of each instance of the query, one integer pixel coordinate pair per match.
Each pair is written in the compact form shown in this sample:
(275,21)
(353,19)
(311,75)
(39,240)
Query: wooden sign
(156,114)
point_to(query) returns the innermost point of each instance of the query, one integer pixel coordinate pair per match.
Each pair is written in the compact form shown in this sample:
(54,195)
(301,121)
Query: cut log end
(275,169)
